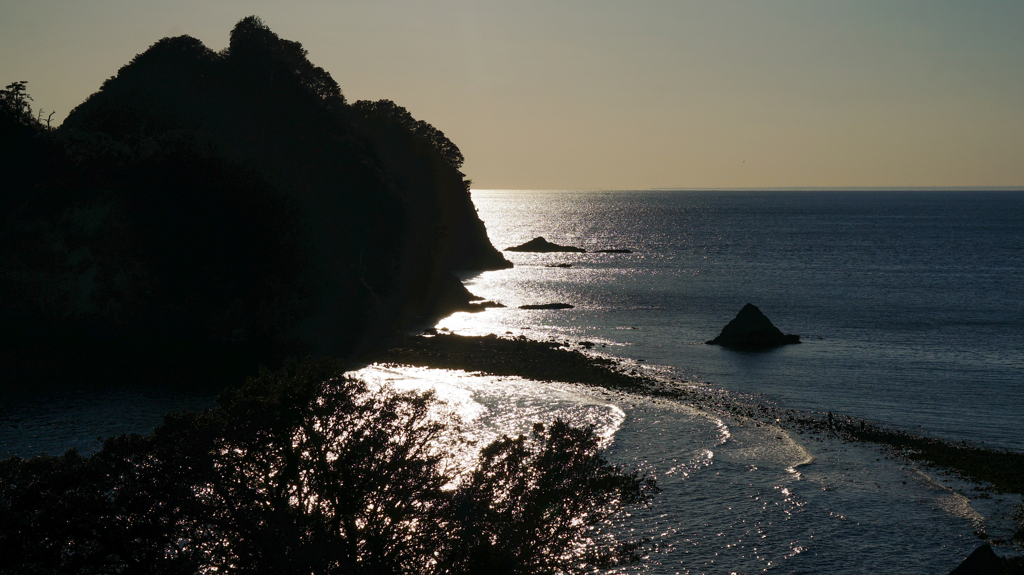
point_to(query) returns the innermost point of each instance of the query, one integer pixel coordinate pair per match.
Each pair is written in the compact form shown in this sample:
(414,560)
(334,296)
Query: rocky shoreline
(993,470)
(559,361)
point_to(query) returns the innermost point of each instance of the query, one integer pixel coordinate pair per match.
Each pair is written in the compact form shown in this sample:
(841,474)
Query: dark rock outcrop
(750,329)
(982,561)
(485,305)
(539,244)
(547,306)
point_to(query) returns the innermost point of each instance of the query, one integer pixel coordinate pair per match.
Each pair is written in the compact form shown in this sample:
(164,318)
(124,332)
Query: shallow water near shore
(51,421)
(908,308)
(738,496)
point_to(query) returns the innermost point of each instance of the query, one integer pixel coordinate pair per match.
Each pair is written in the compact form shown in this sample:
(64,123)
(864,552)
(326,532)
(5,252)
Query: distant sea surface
(910,305)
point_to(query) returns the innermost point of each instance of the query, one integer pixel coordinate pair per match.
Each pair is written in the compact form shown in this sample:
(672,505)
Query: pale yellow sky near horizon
(620,95)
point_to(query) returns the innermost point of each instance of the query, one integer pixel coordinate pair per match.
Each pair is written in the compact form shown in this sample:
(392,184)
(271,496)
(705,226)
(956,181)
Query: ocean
(909,307)
(908,304)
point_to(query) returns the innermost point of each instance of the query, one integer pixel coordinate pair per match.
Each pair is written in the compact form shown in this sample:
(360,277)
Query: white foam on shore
(759,443)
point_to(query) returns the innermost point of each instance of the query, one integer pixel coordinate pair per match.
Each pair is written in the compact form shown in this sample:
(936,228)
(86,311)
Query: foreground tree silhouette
(307,471)
(537,504)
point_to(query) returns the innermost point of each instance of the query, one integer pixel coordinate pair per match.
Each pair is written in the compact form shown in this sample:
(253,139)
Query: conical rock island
(751,329)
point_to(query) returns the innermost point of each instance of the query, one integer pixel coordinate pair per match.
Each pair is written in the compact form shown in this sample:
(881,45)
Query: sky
(637,94)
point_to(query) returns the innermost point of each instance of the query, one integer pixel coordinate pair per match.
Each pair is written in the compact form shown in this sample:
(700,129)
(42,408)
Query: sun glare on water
(486,407)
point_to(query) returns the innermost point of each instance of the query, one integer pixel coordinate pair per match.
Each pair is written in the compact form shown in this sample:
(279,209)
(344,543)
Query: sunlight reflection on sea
(489,407)
(907,303)
(884,290)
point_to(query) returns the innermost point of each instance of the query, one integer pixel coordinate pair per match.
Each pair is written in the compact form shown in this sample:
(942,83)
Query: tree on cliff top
(252,42)
(14,104)
(390,113)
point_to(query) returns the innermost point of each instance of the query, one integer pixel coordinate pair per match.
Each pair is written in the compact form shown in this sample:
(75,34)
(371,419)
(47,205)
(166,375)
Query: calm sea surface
(909,306)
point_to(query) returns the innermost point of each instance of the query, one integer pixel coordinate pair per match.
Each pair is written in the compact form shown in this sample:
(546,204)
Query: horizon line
(776,189)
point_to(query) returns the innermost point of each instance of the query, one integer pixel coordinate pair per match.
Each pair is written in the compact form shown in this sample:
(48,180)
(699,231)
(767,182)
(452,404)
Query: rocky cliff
(228,204)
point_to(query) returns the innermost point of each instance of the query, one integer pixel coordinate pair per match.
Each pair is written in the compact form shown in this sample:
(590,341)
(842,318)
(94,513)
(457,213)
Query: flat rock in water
(482,306)
(539,244)
(547,306)
(750,329)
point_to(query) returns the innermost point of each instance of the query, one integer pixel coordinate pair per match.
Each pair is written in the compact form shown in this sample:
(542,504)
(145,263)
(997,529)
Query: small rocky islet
(541,245)
(752,330)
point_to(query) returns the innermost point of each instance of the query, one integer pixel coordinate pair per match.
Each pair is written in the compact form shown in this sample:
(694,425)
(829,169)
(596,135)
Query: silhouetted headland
(204,212)
(751,329)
